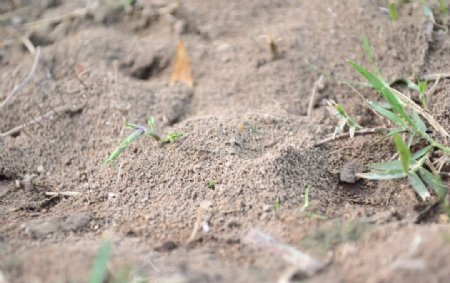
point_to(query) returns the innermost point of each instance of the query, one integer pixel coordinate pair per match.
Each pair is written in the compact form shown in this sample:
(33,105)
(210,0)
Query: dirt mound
(247,157)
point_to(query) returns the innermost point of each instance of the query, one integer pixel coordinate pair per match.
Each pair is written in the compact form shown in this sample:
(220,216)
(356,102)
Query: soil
(178,212)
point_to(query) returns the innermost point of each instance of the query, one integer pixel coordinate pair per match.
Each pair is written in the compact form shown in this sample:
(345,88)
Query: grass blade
(377,83)
(393,13)
(404,152)
(306,198)
(420,124)
(433,182)
(443,7)
(386,114)
(387,166)
(370,54)
(123,145)
(385,91)
(418,154)
(380,176)
(99,268)
(419,186)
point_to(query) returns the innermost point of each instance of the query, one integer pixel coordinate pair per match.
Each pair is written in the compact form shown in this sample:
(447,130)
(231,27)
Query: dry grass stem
(28,78)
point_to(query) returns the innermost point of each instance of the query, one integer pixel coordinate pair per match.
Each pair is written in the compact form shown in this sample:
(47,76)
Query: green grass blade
(380,176)
(171,137)
(396,104)
(420,124)
(443,7)
(123,145)
(369,53)
(395,165)
(132,126)
(99,268)
(306,198)
(418,154)
(385,91)
(433,182)
(386,114)
(404,152)
(422,87)
(419,186)
(377,83)
(393,13)
(151,124)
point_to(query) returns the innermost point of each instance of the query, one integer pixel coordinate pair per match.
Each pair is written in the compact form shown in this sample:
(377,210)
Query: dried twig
(301,260)
(68,194)
(432,77)
(48,115)
(435,124)
(312,99)
(358,132)
(433,88)
(78,13)
(18,87)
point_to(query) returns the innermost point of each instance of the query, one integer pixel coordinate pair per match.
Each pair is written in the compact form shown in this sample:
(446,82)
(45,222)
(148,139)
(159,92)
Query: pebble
(40,169)
(76,221)
(40,228)
(348,172)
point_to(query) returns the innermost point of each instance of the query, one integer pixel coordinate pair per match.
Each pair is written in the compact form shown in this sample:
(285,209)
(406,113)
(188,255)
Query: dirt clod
(76,221)
(41,228)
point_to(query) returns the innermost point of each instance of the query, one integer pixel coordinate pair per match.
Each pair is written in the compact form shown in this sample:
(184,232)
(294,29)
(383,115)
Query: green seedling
(171,137)
(407,118)
(369,53)
(277,204)
(344,119)
(212,184)
(443,7)
(307,203)
(100,267)
(149,130)
(306,198)
(393,12)
(420,88)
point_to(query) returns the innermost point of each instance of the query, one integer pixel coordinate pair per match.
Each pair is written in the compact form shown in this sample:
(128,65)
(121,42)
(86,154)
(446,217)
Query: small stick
(29,45)
(432,77)
(47,115)
(82,12)
(357,133)
(299,259)
(68,194)
(438,127)
(312,99)
(18,87)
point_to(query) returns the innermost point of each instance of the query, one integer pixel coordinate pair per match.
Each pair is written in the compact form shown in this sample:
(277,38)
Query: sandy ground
(245,129)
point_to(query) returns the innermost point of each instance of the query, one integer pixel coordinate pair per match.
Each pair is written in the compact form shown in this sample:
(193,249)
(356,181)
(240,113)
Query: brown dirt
(245,127)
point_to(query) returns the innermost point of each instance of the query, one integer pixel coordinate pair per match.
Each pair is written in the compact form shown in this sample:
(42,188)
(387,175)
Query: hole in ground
(155,67)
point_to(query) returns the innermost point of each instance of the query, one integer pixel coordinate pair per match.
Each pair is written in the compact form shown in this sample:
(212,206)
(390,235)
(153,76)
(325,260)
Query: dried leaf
(182,68)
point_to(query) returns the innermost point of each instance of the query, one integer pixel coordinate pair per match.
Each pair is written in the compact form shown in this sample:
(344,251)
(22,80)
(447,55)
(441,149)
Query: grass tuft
(149,130)
(410,121)
(100,269)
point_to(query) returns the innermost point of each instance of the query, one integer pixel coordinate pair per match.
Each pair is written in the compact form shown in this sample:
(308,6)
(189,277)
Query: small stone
(112,197)
(40,169)
(167,247)
(40,228)
(76,221)
(205,227)
(267,207)
(348,172)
